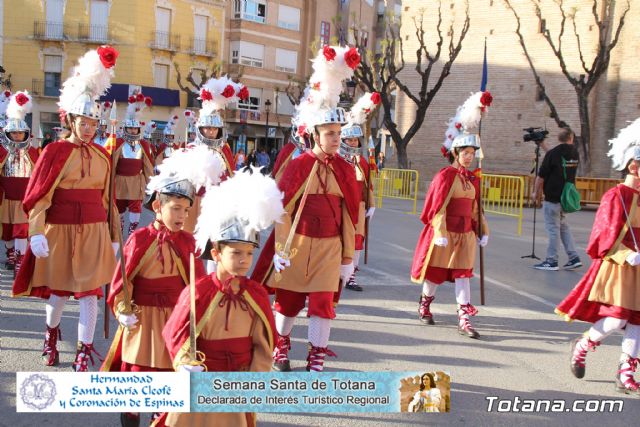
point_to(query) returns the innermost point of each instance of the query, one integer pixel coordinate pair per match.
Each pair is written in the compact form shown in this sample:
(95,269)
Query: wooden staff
(480,228)
(366,219)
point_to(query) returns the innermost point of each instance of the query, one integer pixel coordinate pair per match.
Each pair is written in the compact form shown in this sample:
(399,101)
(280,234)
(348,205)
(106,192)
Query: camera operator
(551,179)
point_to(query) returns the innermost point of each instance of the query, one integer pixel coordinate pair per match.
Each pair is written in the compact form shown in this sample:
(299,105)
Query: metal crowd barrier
(396,184)
(503,195)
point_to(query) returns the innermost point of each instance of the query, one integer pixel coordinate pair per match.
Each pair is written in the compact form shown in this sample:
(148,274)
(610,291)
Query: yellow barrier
(503,195)
(396,184)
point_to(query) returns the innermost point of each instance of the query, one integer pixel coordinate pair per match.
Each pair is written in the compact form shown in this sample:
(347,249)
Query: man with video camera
(559,165)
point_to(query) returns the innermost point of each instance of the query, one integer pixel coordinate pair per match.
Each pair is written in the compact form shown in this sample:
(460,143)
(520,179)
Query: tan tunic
(240,325)
(144,344)
(617,282)
(132,187)
(316,265)
(80,257)
(460,252)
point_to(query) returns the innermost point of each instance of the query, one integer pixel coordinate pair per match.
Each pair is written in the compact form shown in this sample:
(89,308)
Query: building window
(99,21)
(52,74)
(250,10)
(163,27)
(253,102)
(161,75)
(286,60)
(247,53)
(325,30)
(47,122)
(284,105)
(288,17)
(201,24)
(55,18)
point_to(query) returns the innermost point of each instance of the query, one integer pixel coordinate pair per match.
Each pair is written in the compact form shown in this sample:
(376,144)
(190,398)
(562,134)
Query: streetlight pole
(267,109)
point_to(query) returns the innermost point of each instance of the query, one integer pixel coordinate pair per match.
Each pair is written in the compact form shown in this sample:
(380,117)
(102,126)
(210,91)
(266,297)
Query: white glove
(280,263)
(116,247)
(633,259)
(370,212)
(346,271)
(39,246)
(441,241)
(483,241)
(128,320)
(190,368)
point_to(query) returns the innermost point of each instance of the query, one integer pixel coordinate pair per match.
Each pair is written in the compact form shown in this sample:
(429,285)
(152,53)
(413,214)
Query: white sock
(211,266)
(319,330)
(21,245)
(604,327)
(88,318)
(429,289)
(356,258)
(54,308)
(463,291)
(284,324)
(134,217)
(631,340)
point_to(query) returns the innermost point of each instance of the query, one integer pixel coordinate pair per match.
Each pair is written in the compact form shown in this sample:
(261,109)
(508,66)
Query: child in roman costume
(133,163)
(298,143)
(323,240)
(608,296)
(103,130)
(446,249)
(163,149)
(71,248)
(235,329)
(157,268)
(352,136)
(17,159)
(191,129)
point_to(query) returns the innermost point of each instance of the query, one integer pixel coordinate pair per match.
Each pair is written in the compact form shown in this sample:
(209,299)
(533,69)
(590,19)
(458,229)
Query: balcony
(165,41)
(98,34)
(38,88)
(48,30)
(202,47)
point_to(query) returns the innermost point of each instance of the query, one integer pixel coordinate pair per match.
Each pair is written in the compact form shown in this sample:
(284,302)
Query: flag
(485,71)
(110,145)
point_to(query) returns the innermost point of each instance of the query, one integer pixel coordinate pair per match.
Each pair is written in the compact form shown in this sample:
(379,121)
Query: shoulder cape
(283,158)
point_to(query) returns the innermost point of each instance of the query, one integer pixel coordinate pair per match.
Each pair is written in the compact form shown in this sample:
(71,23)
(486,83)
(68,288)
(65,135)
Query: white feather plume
(361,109)
(250,197)
(149,128)
(470,113)
(627,138)
(216,86)
(17,111)
(89,76)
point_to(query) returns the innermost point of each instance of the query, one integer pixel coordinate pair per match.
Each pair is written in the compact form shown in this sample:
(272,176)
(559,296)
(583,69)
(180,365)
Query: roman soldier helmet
(5,96)
(355,119)
(626,146)
(169,130)
(319,105)
(461,127)
(20,105)
(89,80)
(136,103)
(184,172)
(299,135)
(215,94)
(225,217)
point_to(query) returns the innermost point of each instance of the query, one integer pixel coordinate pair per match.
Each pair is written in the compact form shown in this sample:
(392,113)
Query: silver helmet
(130,137)
(17,125)
(173,186)
(466,140)
(85,106)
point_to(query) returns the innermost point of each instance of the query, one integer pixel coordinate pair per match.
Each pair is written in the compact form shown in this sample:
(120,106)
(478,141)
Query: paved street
(523,350)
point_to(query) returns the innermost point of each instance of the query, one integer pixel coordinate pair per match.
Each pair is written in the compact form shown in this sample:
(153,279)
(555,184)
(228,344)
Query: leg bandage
(631,340)
(284,324)
(429,289)
(54,308)
(463,291)
(319,330)
(356,258)
(605,327)
(88,318)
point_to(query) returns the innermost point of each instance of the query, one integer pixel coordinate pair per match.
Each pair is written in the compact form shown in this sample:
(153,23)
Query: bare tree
(588,76)
(381,72)
(190,86)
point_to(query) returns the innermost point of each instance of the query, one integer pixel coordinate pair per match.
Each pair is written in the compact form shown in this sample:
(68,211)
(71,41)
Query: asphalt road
(523,350)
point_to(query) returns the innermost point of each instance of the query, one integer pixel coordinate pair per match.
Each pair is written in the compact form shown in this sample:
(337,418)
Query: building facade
(517,102)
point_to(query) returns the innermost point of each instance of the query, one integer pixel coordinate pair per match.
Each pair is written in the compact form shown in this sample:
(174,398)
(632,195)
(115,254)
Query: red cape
(134,250)
(433,203)
(292,184)
(45,173)
(283,158)
(228,158)
(176,331)
(607,226)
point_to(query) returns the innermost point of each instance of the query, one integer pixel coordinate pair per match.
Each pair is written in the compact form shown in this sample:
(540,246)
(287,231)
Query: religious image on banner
(429,392)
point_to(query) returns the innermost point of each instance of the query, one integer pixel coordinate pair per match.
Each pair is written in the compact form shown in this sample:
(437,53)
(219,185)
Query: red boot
(315,359)
(83,356)
(464,325)
(281,354)
(424,309)
(579,349)
(625,383)
(11,259)
(50,355)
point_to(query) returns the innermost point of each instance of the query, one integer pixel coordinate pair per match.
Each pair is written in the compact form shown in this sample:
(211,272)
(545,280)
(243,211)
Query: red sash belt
(129,167)
(321,216)
(459,215)
(78,206)
(14,187)
(159,292)
(232,354)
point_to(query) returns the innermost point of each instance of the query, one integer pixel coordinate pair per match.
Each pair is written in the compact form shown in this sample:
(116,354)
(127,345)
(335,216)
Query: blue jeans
(555,223)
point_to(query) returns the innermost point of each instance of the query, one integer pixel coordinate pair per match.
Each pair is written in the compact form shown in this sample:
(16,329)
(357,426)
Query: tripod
(535,209)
